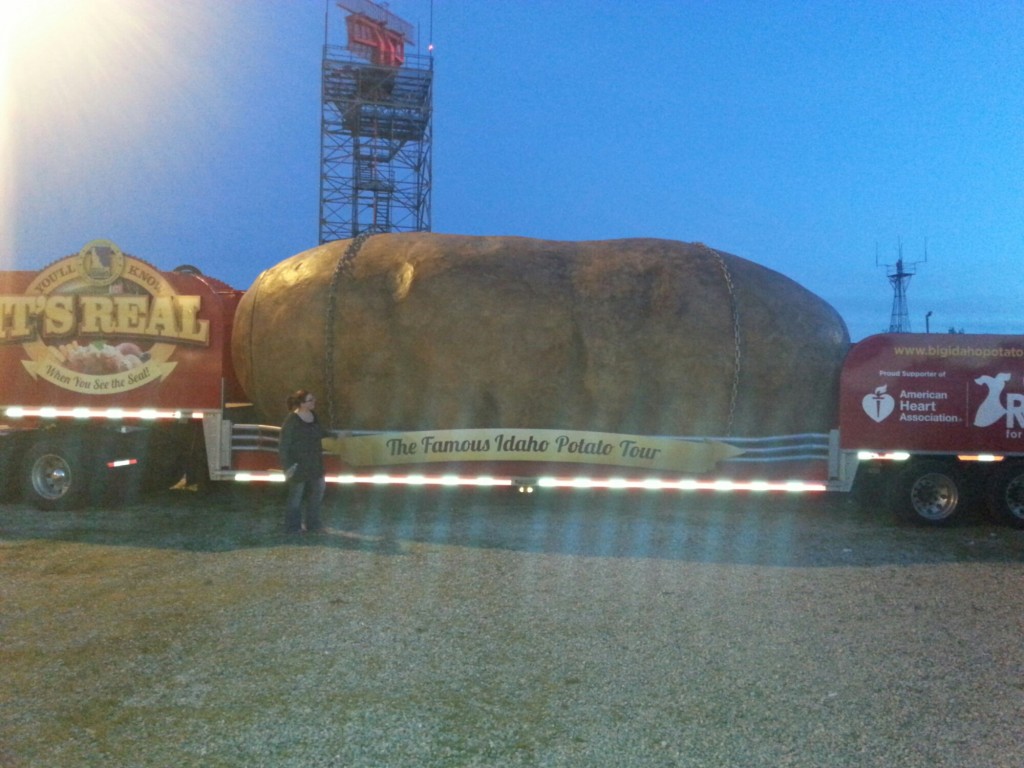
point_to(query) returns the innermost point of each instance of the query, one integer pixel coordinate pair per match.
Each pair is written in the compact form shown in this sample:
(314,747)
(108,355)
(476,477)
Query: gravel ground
(460,629)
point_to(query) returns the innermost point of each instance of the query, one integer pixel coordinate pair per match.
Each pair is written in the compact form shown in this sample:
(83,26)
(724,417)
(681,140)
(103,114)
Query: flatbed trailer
(930,425)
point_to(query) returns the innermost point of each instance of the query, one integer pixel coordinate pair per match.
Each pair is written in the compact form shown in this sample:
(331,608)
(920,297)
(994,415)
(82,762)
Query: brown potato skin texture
(644,336)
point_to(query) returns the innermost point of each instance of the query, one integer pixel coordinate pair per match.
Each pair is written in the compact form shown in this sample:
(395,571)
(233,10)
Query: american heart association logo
(878,405)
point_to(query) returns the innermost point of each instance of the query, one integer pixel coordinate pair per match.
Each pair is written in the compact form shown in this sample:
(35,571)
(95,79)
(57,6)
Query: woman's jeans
(308,494)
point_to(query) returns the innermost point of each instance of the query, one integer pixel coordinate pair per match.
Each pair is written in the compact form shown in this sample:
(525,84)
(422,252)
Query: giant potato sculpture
(424,331)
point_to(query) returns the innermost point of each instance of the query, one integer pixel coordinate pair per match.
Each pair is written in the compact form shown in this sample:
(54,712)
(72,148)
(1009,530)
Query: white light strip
(419,480)
(411,480)
(652,484)
(50,412)
(790,486)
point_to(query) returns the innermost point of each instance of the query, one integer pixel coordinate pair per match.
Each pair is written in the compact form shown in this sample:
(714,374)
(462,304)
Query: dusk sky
(809,137)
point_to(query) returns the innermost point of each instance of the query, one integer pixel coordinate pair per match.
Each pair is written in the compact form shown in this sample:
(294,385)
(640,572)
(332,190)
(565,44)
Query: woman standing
(303,462)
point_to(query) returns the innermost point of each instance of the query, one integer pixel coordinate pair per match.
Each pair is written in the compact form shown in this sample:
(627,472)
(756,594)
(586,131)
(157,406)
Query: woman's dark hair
(296,398)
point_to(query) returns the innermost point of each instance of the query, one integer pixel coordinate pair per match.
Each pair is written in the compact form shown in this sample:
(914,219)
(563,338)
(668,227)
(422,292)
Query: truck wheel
(929,492)
(54,475)
(1006,494)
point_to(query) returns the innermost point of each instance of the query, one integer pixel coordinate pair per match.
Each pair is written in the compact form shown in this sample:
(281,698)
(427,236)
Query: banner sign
(101,322)
(543,446)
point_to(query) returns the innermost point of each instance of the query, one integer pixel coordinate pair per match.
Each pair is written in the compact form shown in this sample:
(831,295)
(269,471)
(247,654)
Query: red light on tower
(375,33)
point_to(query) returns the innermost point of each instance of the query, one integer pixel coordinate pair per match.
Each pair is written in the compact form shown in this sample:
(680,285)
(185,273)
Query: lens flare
(82,81)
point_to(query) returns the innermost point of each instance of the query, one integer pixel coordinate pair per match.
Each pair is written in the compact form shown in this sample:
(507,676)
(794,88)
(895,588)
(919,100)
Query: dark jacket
(300,444)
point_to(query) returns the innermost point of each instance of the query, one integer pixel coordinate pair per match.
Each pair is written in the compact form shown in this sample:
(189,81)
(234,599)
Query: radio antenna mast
(899,275)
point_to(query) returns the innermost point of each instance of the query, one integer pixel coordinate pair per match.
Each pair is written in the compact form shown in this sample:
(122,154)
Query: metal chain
(734,309)
(343,267)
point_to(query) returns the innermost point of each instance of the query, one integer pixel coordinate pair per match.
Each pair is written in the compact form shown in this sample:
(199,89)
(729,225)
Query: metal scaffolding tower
(375,137)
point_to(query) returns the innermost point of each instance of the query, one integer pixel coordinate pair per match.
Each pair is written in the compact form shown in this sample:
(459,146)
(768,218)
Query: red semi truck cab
(100,352)
(948,411)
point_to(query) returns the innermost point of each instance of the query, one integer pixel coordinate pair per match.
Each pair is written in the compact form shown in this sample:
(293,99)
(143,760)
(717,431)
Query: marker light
(252,477)
(121,463)
(889,456)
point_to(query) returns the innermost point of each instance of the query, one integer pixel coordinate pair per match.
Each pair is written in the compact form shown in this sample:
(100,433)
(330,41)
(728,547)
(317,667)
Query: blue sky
(804,136)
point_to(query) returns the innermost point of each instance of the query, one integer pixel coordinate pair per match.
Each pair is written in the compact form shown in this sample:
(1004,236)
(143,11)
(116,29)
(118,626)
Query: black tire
(1006,494)
(54,474)
(929,492)
(10,465)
